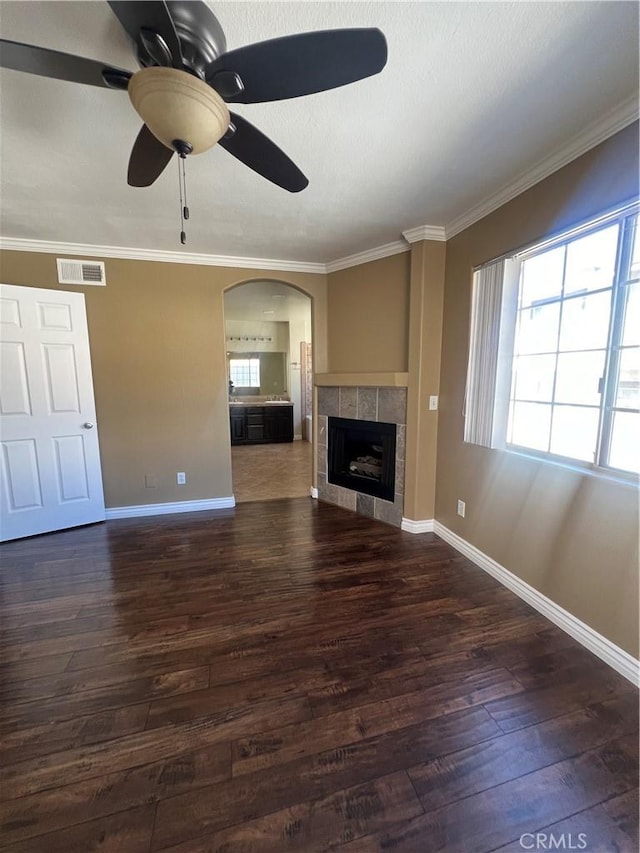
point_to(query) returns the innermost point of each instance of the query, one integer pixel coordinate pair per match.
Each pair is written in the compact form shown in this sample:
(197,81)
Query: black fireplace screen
(362,456)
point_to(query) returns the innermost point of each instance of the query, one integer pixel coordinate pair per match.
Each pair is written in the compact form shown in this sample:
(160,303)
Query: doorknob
(87,425)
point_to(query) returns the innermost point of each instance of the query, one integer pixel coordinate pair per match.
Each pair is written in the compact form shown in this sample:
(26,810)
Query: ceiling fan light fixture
(176,105)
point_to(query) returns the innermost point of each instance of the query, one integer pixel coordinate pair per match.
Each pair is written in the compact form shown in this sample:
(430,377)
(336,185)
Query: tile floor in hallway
(269,471)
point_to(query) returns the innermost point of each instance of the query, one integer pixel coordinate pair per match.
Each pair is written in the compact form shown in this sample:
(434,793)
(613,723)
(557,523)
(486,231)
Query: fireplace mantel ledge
(379,380)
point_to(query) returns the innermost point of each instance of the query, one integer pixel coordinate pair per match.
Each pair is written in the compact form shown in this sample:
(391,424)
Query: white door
(51,476)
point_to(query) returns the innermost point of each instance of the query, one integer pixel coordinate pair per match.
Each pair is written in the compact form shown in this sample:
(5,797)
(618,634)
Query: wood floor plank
(277,686)
(253,795)
(25,633)
(74,765)
(501,814)
(610,827)
(28,743)
(23,670)
(344,727)
(472,636)
(291,675)
(236,653)
(321,825)
(525,649)
(58,708)
(54,809)
(72,684)
(356,685)
(544,703)
(477,768)
(129,830)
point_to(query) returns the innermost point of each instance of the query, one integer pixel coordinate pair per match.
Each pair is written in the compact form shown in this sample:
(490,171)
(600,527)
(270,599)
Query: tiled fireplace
(366,404)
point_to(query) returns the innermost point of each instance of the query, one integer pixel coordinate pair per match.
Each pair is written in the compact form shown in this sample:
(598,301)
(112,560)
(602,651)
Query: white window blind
(484,339)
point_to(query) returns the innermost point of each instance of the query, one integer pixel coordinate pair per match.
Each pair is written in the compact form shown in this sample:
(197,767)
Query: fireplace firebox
(361,455)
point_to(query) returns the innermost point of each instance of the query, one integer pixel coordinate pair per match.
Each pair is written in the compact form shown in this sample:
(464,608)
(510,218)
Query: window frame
(249,369)
(628,221)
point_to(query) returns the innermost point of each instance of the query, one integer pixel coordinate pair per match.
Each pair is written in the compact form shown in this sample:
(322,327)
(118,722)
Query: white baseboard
(617,658)
(169,508)
(412,526)
(313,492)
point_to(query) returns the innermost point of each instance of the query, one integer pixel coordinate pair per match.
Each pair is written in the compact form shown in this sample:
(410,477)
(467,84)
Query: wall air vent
(80,272)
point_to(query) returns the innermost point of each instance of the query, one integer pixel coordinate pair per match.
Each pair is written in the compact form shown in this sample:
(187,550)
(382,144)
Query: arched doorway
(268,339)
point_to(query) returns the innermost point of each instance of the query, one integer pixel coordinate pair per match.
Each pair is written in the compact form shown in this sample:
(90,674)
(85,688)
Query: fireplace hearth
(361,455)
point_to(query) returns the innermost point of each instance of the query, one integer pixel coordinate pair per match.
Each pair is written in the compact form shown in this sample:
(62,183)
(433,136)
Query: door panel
(72,467)
(51,476)
(61,378)
(14,388)
(22,476)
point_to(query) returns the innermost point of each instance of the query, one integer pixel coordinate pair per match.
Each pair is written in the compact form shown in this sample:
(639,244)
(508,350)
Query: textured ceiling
(473,96)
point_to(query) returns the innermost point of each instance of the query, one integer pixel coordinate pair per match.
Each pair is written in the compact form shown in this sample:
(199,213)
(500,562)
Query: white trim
(364,257)
(411,526)
(313,492)
(169,508)
(615,120)
(129,253)
(425,232)
(369,380)
(607,651)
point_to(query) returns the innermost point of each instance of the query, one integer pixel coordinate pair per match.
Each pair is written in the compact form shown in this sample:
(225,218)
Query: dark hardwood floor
(289,676)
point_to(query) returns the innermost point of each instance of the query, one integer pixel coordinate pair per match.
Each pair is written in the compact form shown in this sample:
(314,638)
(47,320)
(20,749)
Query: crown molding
(127,253)
(86,250)
(425,232)
(615,120)
(370,255)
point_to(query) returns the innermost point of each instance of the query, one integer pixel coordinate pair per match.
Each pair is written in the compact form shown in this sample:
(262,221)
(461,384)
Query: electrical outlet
(462,508)
(181,478)
(433,403)
(150,481)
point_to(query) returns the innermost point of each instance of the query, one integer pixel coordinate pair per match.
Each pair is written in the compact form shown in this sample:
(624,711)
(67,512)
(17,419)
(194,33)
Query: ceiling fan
(187,77)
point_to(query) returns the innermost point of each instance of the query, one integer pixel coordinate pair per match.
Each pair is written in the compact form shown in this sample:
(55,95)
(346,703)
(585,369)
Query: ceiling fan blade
(259,153)
(148,159)
(301,64)
(149,16)
(62,66)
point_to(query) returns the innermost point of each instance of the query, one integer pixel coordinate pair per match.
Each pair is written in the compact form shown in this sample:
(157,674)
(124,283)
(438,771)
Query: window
(554,362)
(245,372)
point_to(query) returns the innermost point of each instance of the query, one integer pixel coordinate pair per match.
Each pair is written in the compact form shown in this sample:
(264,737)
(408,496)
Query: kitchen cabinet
(261,424)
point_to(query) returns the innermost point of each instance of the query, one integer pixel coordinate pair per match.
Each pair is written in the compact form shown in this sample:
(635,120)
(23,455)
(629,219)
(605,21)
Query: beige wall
(368,315)
(157,341)
(425,340)
(574,537)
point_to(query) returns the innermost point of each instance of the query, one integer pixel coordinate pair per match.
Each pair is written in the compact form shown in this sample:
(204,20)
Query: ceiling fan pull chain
(183,236)
(185,209)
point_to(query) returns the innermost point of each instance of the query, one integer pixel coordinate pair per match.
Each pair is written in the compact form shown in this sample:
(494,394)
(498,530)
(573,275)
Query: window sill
(611,476)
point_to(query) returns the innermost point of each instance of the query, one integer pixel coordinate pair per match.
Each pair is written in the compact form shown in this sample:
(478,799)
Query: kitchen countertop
(261,403)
